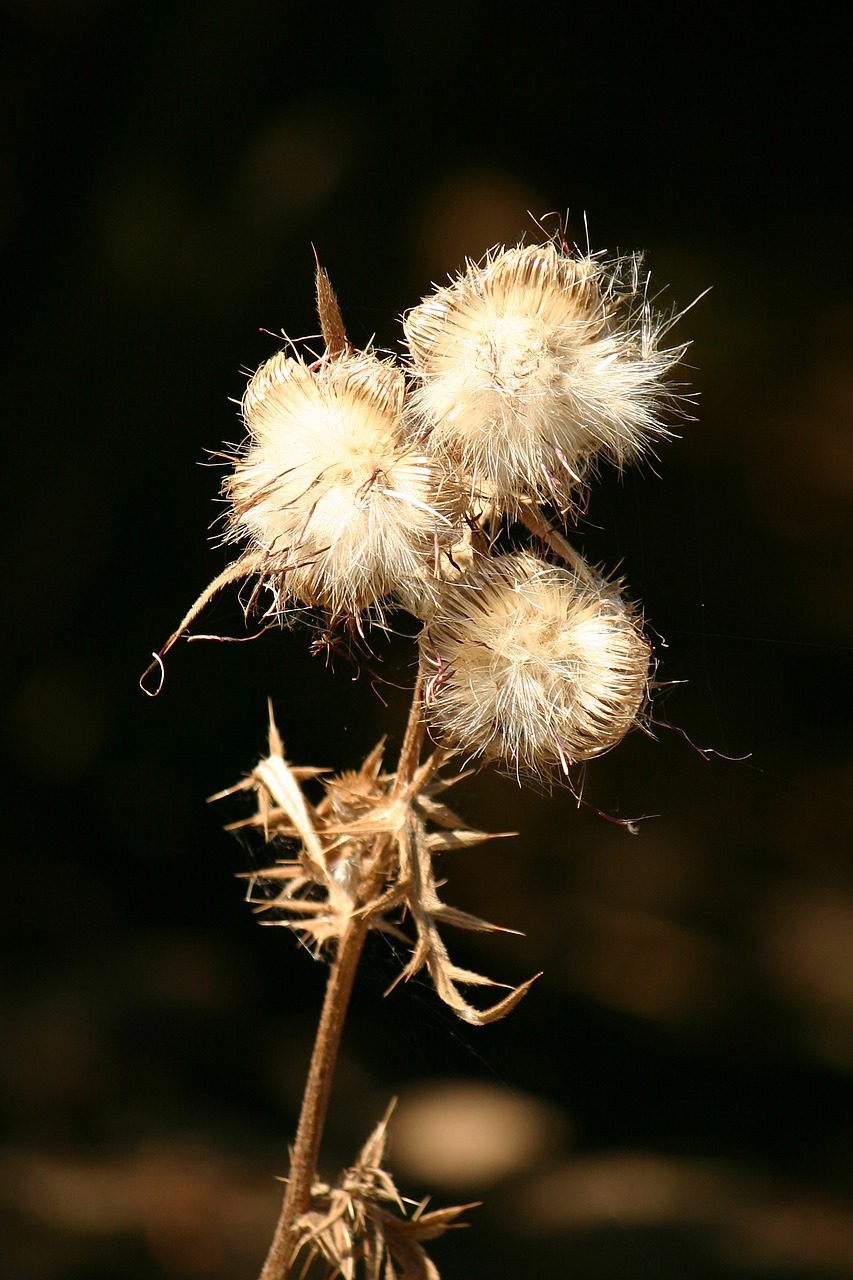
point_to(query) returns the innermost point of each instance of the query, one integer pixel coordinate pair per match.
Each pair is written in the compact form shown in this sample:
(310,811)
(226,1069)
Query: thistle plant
(444,487)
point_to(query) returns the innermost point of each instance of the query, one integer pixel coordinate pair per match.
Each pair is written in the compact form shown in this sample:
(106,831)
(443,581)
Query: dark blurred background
(673,1099)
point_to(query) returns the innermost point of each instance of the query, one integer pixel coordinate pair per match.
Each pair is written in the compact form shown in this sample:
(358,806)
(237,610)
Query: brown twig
(303,1160)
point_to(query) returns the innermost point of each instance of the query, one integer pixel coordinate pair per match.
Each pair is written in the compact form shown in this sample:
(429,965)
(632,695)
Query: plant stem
(327,1043)
(303,1160)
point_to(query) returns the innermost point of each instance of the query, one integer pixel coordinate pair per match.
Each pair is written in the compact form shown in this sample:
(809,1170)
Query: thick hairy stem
(315,1100)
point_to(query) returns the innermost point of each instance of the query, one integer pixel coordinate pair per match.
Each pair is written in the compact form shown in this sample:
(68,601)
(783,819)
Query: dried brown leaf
(362,1220)
(329,312)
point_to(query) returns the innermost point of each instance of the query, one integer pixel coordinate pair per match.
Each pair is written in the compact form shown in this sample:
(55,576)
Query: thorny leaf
(366,848)
(438,812)
(276,783)
(427,908)
(362,1219)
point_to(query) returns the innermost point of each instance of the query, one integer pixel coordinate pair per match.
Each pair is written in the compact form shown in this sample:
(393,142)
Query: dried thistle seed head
(342,513)
(533,666)
(533,363)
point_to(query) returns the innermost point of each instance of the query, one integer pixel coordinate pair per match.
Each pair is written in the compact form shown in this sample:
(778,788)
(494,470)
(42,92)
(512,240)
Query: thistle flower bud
(340,512)
(533,665)
(531,364)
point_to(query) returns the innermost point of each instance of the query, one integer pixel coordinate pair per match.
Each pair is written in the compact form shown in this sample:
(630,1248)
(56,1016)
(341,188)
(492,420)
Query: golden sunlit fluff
(340,512)
(534,362)
(533,666)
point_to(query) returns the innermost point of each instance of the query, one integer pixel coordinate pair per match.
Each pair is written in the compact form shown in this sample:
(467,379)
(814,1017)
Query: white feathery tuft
(534,363)
(343,513)
(533,666)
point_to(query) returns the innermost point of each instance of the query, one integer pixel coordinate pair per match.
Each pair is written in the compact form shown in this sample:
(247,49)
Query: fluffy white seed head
(532,363)
(341,513)
(533,666)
